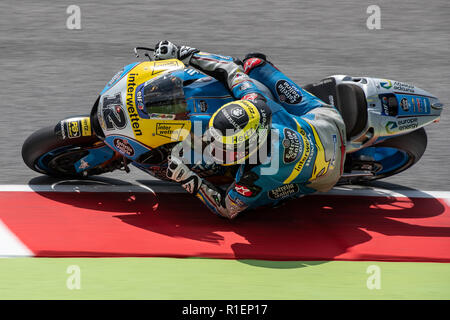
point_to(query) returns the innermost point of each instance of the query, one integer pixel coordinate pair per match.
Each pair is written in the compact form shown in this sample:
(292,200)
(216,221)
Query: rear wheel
(388,157)
(410,147)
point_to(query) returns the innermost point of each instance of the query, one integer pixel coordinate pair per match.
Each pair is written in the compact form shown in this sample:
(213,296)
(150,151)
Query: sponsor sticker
(163,65)
(86,127)
(242,190)
(132,112)
(63,130)
(405,87)
(140,106)
(235,205)
(124,147)
(407,124)
(288,93)
(83,165)
(387,84)
(169,130)
(283,191)
(401,125)
(162,116)
(390,126)
(291,145)
(306,156)
(251,63)
(404,104)
(115,78)
(250,97)
(74,130)
(389,105)
(237,112)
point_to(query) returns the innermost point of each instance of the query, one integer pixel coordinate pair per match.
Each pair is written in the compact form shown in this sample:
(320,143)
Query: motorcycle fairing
(204,96)
(118,76)
(98,155)
(151,133)
(130,148)
(385,115)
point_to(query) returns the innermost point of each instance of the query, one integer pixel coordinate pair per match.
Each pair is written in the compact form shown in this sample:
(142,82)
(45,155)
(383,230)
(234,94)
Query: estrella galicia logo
(113,114)
(124,147)
(391,125)
(291,145)
(387,84)
(283,191)
(288,93)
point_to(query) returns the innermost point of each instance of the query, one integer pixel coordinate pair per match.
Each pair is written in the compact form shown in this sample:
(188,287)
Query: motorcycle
(384,120)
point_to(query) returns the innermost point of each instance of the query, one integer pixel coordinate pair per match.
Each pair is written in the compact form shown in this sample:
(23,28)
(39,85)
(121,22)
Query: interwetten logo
(134,117)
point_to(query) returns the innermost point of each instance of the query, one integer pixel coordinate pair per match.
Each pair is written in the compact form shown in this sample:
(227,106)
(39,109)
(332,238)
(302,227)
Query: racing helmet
(238,130)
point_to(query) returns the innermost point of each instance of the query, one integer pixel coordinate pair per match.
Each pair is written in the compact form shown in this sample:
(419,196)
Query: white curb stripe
(359,191)
(10,245)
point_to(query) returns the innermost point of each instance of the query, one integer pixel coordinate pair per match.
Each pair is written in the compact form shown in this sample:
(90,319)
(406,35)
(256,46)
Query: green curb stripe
(170,278)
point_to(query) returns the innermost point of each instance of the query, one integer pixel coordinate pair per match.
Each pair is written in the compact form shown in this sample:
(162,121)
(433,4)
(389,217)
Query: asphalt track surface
(49,72)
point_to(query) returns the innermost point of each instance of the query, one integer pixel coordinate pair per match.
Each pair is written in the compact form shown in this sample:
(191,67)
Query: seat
(348,98)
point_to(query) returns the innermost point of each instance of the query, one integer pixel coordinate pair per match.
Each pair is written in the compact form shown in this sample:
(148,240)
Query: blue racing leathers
(307,140)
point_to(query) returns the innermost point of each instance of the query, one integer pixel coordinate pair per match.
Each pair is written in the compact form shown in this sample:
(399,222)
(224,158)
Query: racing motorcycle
(132,123)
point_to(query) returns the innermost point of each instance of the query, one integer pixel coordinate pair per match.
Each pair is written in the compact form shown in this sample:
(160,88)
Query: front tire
(46,152)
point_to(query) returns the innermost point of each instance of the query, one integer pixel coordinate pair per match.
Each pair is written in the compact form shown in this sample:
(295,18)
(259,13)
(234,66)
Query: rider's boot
(286,92)
(254,59)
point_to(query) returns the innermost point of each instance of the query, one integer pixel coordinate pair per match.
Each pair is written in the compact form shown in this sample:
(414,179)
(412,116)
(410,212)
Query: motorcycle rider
(300,133)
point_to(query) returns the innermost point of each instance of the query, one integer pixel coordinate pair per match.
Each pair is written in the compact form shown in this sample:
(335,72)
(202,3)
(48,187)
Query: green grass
(170,278)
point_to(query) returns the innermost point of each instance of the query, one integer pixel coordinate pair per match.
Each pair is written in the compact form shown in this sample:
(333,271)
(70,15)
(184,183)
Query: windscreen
(165,95)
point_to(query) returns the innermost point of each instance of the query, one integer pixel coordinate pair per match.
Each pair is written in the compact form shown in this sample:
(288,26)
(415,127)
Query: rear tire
(413,143)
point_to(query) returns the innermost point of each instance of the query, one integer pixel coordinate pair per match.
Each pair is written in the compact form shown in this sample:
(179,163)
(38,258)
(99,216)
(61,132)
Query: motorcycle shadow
(312,229)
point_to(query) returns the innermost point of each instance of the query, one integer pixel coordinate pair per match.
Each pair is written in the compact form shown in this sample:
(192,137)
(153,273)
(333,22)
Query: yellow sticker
(86,127)
(73,128)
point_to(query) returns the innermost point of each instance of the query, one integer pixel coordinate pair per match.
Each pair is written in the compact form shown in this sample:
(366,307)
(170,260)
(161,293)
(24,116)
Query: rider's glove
(167,50)
(179,172)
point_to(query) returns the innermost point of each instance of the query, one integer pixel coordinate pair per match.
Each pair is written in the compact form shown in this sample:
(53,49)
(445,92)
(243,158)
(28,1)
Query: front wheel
(45,151)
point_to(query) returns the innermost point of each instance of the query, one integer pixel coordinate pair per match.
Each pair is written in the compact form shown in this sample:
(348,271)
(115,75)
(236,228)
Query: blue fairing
(94,158)
(204,95)
(134,146)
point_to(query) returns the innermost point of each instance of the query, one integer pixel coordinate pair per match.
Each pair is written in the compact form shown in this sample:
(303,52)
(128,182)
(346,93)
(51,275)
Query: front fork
(100,158)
